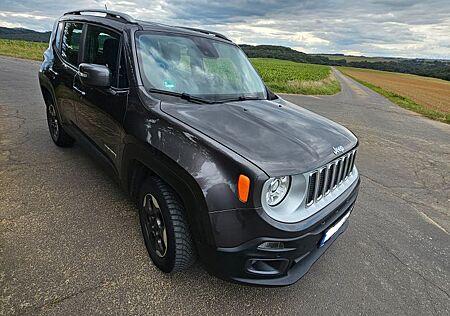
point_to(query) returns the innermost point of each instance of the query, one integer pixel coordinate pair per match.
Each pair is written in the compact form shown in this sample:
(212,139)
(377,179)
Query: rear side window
(71,40)
(58,36)
(102,48)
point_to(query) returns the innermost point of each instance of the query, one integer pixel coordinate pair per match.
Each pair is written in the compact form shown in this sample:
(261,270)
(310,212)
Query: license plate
(333,229)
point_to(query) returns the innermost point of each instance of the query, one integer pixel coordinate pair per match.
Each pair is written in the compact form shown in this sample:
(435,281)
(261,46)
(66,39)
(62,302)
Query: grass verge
(284,76)
(22,49)
(406,103)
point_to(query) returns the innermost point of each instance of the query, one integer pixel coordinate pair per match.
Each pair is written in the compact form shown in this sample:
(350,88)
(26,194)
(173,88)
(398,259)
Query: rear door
(101,113)
(66,61)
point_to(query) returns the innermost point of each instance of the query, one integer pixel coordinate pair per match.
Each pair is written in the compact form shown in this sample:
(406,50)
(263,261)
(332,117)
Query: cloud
(406,28)
(6,14)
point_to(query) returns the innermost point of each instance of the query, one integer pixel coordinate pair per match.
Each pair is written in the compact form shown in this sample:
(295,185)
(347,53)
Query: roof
(123,20)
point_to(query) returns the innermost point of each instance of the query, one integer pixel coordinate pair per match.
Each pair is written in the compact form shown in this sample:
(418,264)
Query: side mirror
(95,75)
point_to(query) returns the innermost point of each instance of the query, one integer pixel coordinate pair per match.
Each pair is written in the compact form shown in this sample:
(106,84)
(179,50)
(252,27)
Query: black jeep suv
(220,167)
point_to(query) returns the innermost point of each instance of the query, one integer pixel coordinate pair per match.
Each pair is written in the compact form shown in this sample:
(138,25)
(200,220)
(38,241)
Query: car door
(101,112)
(67,48)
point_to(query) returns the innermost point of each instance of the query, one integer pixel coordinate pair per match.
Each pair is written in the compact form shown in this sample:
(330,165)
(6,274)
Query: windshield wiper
(184,96)
(241,98)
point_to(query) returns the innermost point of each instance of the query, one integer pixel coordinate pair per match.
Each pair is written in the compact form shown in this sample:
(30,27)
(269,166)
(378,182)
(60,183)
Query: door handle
(117,92)
(79,91)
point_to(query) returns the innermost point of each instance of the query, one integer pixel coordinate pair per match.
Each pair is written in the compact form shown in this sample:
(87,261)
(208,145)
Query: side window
(58,36)
(71,42)
(102,48)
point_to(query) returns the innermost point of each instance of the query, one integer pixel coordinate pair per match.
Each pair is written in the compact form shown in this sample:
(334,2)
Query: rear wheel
(57,132)
(164,227)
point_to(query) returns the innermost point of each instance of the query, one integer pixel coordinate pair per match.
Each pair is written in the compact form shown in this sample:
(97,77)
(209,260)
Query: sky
(401,28)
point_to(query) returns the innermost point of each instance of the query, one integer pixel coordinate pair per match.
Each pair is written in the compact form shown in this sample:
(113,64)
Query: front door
(100,114)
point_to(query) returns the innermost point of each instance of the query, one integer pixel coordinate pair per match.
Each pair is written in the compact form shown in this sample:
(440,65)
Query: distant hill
(281,52)
(423,67)
(24,34)
(351,58)
(356,58)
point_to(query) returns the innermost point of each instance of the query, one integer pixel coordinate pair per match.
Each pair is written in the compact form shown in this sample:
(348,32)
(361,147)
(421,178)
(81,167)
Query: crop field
(291,77)
(22,49)
(427,96)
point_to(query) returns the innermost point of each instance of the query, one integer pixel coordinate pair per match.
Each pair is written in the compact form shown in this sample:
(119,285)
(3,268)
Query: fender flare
(180,180)
(44,84)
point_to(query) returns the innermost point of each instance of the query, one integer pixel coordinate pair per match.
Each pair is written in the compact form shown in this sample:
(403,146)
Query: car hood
(279,137)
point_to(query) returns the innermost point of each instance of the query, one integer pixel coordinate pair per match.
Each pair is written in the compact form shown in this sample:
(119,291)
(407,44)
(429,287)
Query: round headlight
(277,190)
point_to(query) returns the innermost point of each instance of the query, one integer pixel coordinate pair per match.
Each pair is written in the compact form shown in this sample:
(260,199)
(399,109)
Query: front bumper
(248,263)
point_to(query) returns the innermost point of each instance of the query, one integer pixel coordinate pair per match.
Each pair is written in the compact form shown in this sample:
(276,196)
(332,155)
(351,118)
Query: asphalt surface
(71,243)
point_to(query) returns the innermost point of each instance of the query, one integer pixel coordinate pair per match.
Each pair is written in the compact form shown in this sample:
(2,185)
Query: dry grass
(428,96)
(312,84)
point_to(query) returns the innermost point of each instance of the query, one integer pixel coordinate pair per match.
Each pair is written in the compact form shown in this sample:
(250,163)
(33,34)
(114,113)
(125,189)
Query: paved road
(70,241)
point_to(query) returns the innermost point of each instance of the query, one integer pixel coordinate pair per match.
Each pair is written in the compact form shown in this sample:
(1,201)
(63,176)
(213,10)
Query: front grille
(327,178)
(311,188)
(321,183)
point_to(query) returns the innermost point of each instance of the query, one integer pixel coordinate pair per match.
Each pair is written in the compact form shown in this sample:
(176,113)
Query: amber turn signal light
(243,188)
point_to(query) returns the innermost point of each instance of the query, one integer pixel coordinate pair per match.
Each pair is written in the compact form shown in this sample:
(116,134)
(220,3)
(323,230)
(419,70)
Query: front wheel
(164,227)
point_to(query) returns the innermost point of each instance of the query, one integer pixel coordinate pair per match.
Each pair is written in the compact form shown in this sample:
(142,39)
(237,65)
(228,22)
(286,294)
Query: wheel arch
(47,90)
(47,94)
(141,162)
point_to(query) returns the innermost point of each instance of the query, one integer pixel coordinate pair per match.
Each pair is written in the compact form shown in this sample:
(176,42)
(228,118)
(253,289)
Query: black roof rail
(108,13)
(205,32)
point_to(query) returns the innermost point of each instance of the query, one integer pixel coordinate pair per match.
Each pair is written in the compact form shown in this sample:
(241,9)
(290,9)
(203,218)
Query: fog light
(271,245)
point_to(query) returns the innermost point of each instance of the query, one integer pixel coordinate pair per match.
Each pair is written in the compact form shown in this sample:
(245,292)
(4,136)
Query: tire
(57,132)
(169,245)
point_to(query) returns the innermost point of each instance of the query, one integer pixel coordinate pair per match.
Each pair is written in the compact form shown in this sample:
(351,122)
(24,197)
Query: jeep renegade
(220,167)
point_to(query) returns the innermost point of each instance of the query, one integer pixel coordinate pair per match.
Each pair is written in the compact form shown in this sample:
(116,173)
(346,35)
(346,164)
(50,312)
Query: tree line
(423,67)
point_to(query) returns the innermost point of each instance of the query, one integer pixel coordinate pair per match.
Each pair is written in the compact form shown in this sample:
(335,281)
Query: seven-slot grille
(326,179)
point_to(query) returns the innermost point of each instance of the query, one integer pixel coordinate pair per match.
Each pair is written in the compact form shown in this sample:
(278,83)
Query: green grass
(22,49)
(406,103)
(284,76)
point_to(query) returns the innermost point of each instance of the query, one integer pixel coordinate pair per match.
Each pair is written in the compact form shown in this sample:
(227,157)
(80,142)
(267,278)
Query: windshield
(196,66)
